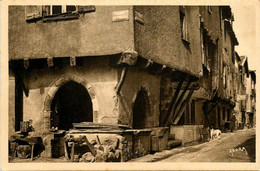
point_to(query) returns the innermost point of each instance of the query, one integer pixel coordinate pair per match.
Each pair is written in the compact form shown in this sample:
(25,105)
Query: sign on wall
(120,15)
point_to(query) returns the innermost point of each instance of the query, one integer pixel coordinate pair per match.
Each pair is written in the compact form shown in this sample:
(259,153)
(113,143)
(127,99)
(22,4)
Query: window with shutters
(59,9)
(208,49)
(33,13)
(55,12)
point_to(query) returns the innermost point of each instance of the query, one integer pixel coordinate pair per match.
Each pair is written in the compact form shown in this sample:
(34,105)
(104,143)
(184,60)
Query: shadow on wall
(250,147)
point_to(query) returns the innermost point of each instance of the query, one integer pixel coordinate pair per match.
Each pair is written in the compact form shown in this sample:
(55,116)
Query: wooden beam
(86,9)
(66,150)
(72,151)
(163,68)
(26,63)
(149,63)
(50,61)
(68,17)
(176,105)
(32,151)
(213,107)
(157,68)
(183,93)
(144,63)
(121,81)
(194,86)
(173,101)
(72,61)
(183,107)
(19,74)
(90,146)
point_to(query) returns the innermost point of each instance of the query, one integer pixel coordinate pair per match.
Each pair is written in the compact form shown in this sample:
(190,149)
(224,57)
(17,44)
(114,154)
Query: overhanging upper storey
(69,31)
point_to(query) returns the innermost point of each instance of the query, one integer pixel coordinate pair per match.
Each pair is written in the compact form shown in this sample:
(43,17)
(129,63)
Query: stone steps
(174,143)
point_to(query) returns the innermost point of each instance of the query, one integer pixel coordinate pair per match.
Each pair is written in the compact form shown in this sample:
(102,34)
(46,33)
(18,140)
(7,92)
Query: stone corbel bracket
(128,57)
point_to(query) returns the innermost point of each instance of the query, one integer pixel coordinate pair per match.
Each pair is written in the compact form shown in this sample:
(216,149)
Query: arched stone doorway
(47,111)
(141,110)
(71,104)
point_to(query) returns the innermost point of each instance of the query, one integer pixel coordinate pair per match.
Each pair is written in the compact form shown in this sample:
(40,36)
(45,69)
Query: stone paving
(202,152)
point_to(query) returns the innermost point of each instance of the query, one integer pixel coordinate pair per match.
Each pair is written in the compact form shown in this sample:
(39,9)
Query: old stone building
(105,65)
(242,74)
(219,43)
(251,99)
(109,83)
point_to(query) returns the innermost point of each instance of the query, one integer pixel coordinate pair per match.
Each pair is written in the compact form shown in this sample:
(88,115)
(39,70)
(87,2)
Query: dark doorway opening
(219,121)
(228,114)
(18,103)
(251,118)
(141,110)
(71,104)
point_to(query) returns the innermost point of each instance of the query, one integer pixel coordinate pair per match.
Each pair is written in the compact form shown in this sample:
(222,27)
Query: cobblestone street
(217,150)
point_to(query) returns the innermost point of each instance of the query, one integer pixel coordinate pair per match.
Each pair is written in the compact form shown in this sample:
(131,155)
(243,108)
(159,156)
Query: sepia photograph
(130,84)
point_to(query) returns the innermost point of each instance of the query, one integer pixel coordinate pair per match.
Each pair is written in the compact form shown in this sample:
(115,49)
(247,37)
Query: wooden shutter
(185,28)
(46,10)
(224,76)
(184,24)
(85,9)
(33,12)
(202,46)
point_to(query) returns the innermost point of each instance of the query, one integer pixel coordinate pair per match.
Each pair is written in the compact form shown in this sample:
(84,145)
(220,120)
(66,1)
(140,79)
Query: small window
(59,9)
(56,9)
(183,23)
(48,13)
(70,8)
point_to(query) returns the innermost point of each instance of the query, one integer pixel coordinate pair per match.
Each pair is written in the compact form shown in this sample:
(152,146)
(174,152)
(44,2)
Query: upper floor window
(225,76)
(59,9)
(55,12)
(56,9)
(70,8)
(184,24)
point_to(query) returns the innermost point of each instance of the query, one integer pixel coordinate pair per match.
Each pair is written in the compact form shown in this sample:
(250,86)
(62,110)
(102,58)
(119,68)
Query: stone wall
(187,133)
(91,34)
(113,147)
(135,80)
(95,75)
(154,40)
(11,108)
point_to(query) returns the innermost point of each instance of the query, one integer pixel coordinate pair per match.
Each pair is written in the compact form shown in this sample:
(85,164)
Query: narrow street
(220,150)
(217,150)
